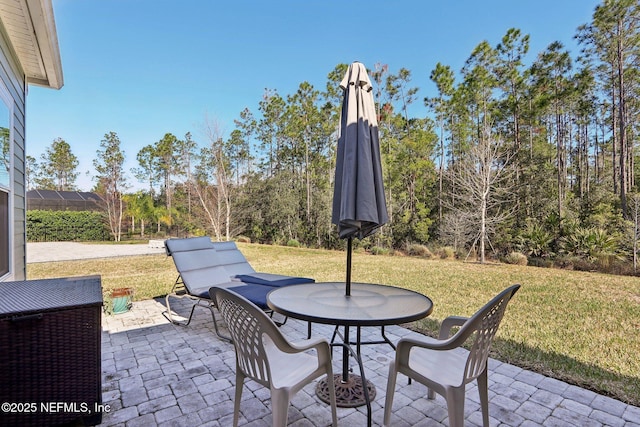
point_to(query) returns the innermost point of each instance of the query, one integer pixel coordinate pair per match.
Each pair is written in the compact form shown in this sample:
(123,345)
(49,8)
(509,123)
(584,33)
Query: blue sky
(143,68)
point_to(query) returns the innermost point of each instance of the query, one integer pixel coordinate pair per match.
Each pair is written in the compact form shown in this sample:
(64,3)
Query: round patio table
(368,305)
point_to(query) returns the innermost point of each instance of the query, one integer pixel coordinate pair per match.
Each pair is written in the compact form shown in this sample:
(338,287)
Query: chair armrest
(308,344)
(405,345)
(443,342)
(448,323)
(321,345)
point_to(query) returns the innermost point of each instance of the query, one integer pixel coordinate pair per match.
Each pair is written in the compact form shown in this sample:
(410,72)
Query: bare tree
(211,182)
(483,183)
(457,229)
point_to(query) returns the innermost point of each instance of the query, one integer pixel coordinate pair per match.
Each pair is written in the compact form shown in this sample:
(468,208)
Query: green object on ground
(121,300)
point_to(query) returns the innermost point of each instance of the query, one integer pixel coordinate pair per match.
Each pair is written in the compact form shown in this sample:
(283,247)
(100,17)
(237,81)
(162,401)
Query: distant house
(29,55)
(50,200)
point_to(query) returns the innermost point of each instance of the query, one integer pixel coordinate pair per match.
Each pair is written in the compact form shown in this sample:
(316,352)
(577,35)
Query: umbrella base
(349,394)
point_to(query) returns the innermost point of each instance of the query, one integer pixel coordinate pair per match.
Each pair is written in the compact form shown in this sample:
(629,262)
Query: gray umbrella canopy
(359,206)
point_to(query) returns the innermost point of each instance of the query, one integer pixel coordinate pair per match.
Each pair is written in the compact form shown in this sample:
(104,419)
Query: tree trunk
(614,132)
(622,124)
(441,173)
(308,180)
(560,161)
(120,213)
(483,228)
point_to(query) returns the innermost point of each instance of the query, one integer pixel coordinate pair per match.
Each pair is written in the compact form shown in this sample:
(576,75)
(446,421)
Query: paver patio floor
(156,373)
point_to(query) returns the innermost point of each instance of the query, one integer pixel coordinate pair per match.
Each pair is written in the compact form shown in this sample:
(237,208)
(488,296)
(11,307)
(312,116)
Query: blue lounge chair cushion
(202,290)
(257,294)
(274,280)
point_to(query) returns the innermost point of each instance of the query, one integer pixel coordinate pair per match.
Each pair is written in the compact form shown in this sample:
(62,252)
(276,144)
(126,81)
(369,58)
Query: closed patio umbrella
(359,206)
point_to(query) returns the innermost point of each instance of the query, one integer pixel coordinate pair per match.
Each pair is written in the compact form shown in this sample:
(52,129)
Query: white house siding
(13,78)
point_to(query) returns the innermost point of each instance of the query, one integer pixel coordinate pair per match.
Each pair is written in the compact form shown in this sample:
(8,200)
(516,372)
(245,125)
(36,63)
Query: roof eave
(44,26)
(30,29)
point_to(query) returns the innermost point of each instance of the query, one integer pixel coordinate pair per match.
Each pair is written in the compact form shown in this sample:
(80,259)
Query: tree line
(534,157)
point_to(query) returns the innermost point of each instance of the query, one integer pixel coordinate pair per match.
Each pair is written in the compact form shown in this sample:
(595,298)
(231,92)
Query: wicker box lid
(36,296)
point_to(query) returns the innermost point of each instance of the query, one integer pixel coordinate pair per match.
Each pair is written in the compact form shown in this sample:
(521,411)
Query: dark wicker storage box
(50,370)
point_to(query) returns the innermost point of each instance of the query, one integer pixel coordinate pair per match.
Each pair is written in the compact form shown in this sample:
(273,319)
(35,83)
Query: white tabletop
(369,304)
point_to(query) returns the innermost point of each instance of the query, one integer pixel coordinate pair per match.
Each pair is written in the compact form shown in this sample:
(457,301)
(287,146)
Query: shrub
(581,264)
(377,250)
(48,226)
(293,243)
(591,244)
(540,262)
(516,258)
(243,239)
(565,262)
(619,267)
(446,252)
(536,242)
(415,249)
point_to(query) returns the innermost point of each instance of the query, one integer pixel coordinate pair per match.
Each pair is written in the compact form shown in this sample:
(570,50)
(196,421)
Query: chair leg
(167,313)
(215,325)
(238,396)
(431,394)
(455,406)
(332,392)
(197,302)
(280,407)
(483,384)
(391,387)
(178,291)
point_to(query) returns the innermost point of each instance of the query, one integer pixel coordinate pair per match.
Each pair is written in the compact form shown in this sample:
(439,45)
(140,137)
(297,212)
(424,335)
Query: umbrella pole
(349,252)
(345,352)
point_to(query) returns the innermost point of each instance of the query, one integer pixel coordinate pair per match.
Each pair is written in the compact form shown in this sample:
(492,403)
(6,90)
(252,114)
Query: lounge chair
(203,264)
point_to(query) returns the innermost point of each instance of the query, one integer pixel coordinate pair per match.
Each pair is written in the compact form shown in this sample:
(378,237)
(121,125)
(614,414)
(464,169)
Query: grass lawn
(580,327)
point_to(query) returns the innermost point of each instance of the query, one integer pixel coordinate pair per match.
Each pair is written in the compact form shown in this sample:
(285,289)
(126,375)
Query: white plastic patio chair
(444,367)
(264,355)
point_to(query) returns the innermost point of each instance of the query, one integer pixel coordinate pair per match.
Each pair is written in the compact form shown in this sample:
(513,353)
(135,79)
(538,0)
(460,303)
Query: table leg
(384,340)
(351,390)
(365,386)
(345,356)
